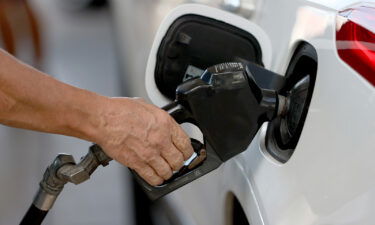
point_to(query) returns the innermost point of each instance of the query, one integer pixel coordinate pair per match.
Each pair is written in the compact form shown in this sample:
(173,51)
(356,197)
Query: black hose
(34,216)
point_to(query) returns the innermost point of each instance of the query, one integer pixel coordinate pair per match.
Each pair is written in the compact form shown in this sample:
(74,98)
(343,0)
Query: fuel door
(194,43)
(194,37)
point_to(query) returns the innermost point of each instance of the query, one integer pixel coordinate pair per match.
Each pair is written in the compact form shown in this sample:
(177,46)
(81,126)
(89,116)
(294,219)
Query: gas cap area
(194,43)
(283,133)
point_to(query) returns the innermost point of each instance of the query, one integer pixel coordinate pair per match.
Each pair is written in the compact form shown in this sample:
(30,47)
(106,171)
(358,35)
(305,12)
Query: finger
(148,174)
(182,141)
(174,157)
(133,161)
(161,167)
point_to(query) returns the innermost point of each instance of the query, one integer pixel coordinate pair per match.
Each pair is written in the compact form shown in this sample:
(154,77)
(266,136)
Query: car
(318,173)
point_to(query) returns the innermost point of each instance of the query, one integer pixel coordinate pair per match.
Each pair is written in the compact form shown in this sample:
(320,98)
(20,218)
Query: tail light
(355,39)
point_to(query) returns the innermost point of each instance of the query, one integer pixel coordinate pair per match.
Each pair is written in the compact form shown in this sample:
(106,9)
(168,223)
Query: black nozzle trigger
(204,162)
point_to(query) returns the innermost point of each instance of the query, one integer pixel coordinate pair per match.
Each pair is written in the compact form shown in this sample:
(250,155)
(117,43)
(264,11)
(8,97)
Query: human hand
(144,138)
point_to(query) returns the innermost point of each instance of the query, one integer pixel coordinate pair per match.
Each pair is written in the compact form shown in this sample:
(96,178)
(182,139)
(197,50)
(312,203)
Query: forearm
(32,100)
(137,134)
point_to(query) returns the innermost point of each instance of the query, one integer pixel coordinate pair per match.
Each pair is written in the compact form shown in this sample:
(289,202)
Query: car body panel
(328,179)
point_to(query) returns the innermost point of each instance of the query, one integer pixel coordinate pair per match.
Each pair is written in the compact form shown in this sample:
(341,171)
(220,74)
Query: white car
(323,173)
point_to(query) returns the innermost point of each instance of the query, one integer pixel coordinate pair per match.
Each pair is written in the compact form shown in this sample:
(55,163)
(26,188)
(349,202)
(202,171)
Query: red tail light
(355,39)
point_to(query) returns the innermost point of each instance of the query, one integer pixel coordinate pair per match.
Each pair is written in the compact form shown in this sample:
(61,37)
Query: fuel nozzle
(228,106)
(293,106)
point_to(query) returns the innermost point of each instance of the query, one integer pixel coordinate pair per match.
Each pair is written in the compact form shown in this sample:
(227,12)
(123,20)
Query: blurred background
(73,41)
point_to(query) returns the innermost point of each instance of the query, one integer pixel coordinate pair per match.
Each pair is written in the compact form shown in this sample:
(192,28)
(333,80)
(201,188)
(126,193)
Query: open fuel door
(194,37)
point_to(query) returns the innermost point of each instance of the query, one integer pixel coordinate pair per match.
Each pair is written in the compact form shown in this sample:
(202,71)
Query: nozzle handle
(204,162)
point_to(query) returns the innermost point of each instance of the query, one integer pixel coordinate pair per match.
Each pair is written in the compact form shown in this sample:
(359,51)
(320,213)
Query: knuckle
(149,180)
(166,173)
(155,181)
(177,162)
(165,119)
(172,155)
(177,165)
(187,155)
(163,169)
(152,182)
(148,155)
(132,163)
(159,142)
(128,160)
(150,174)
(182,140)
(186,142)
(161,115)
(158,139)
(189,148)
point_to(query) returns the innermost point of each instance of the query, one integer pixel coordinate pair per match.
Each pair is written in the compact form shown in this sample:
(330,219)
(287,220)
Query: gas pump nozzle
(229,107)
